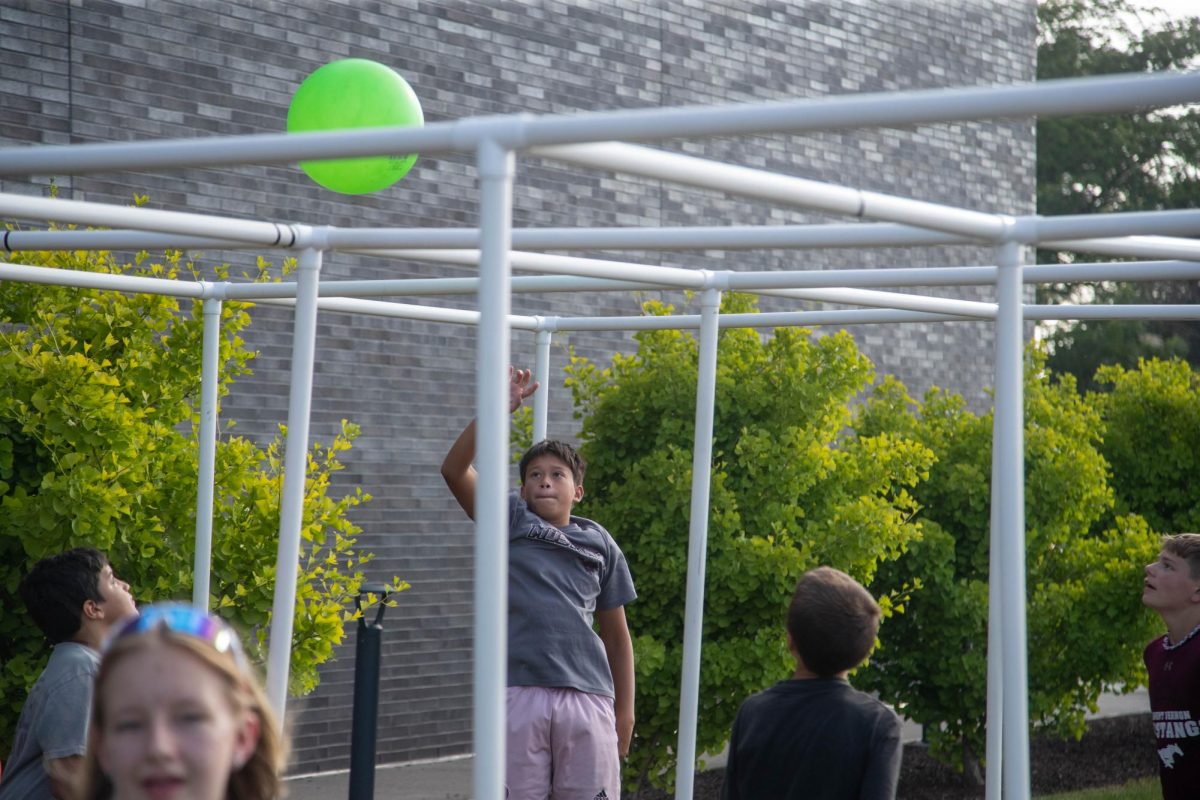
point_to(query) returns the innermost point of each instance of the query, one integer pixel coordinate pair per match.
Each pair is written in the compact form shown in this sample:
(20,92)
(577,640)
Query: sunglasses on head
(186,620)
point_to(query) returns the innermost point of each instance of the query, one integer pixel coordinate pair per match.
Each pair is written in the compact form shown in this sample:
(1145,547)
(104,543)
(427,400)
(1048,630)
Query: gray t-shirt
(53,723)
(557,580)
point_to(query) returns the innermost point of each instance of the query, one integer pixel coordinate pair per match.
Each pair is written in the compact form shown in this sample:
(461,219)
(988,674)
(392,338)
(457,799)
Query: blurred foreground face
(170,731)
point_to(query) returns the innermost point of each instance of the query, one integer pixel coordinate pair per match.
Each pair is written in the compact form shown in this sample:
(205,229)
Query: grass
(1144,789)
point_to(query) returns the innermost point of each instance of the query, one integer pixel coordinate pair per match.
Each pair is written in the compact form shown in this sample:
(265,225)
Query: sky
(1177,9)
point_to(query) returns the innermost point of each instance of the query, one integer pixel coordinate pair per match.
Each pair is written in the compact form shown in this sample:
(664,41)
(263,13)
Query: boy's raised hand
(519,386)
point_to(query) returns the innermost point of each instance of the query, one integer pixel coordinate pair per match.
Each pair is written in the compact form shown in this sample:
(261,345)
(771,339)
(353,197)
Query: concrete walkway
(451,779)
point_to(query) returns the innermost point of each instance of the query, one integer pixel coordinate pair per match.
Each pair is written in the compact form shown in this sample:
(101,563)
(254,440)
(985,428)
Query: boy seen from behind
(1171,588)
(570,689)
(815,736)
(75,599)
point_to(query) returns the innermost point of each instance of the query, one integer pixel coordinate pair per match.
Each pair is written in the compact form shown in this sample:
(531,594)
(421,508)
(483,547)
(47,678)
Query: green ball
(355,93)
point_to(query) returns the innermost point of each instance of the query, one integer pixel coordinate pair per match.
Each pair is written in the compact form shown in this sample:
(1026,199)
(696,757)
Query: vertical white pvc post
(207,457)
(693,612)
(995,669)
(541,400)
(495,164)
(1010,514)
(295,466)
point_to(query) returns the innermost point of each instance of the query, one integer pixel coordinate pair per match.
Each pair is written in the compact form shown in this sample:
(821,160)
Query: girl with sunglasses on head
(177,714)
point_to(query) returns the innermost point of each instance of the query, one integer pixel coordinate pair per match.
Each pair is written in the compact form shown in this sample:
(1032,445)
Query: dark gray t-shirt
(557,580)
(816,738)
(53,723)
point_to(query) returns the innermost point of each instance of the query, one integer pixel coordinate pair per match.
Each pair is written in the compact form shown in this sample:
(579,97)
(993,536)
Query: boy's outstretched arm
(618,645)
(457,469)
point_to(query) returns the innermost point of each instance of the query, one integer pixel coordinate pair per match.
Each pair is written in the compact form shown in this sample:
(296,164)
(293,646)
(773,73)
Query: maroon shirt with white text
(1175,710)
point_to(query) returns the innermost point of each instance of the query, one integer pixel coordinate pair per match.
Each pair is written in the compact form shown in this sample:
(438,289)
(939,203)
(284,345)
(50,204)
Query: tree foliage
(98,448)
(1116,162)
(790,490)
(1086,626)
(1152,417)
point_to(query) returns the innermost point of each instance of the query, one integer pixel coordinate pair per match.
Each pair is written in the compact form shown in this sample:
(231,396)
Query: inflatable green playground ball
(355,93)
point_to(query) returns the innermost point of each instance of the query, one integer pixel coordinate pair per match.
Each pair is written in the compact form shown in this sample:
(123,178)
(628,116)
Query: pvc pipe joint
(210,290)
(1021,230)
(309,237)
(715,279)
(510,131)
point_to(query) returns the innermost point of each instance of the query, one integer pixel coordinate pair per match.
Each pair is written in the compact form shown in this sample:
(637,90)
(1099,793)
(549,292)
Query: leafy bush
(1152,415)
(1086,625)
(790,490)
(98,447)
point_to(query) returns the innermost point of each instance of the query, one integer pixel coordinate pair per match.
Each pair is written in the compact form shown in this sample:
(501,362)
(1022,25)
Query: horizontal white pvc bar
(1045,98)
(45,275)
(424,287)
(1133,246)
(841,235)
(49,276)
(628,323)
(692,279)
(766,320)
(1056,98)
(19,241)
(747,182)
(20,206)
(760,320)
(907,302)
(855,234)
(746,281)
(212,151)
(191,289)
(185,289)
(379,308)
(571,265)
(1068,311)
(1086,272)
(1181,222)
(752,281)
(727,237)
(761,281)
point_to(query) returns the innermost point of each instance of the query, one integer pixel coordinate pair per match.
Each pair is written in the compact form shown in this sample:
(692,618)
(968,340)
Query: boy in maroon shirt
(1172,589)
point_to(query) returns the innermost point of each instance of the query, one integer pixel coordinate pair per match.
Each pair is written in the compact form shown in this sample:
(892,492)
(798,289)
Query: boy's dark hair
(833,621)
(560,450)
(56,588)
(1187,547)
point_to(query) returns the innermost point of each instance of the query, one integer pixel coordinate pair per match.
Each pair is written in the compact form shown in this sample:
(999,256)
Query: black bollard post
(366,696)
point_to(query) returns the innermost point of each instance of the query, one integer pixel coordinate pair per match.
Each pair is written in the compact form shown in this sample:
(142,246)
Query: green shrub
(1152,416)
(1086,625)
(790,490)
(97,447)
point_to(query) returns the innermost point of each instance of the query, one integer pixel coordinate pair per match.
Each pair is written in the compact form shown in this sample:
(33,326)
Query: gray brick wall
(99,70)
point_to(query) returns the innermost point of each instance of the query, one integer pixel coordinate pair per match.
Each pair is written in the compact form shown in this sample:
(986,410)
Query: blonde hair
(260,778)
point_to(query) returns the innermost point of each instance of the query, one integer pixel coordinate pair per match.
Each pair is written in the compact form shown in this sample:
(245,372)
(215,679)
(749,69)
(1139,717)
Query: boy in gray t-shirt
(75,599)
(570,690)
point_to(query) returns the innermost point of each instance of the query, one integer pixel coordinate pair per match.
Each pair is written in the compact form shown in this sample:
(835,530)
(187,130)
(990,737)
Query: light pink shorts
(562,744)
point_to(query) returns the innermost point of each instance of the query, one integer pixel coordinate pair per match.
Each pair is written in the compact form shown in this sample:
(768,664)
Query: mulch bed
(1113,751)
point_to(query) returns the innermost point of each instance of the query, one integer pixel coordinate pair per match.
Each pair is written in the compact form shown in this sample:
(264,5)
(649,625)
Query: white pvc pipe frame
(495,141)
